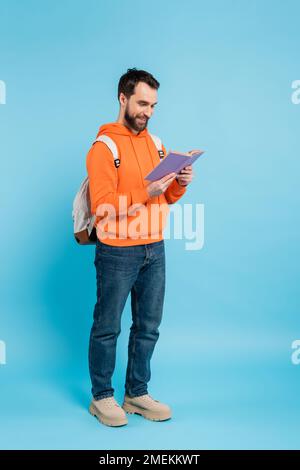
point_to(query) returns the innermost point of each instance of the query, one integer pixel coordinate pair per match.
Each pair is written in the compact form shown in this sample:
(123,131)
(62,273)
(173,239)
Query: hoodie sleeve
(174,191)
(103,180)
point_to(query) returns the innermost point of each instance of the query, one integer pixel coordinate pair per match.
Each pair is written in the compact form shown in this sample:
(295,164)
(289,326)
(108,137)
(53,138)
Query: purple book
(173,162)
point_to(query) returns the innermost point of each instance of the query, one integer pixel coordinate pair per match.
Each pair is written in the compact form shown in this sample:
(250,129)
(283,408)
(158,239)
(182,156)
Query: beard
(134,123)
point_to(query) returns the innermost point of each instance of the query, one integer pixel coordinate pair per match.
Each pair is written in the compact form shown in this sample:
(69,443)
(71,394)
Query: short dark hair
(131,78)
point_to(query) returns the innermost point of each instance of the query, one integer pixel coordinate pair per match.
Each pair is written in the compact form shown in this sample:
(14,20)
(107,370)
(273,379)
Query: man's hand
(186,175)
(158,187)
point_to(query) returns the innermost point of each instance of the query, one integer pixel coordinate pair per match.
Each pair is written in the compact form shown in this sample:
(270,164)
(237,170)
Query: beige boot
(146,406)
(108,411)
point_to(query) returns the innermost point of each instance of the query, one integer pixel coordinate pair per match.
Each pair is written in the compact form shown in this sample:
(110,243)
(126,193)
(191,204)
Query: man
(128,260)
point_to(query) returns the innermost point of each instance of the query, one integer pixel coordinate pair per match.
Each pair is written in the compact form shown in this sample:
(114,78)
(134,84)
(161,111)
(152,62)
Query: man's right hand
(158,187)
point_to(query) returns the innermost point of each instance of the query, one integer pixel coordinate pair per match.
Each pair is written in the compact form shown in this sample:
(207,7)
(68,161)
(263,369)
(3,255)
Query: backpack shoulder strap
(158,145)
(156,140)
(111,145)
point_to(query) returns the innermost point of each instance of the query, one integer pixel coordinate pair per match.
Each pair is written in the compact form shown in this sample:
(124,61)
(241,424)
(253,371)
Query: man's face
(140,106)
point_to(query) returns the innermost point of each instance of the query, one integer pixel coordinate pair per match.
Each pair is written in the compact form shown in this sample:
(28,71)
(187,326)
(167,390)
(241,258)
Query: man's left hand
(186,175)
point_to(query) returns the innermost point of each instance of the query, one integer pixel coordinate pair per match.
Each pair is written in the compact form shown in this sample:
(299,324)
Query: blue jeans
(139,270)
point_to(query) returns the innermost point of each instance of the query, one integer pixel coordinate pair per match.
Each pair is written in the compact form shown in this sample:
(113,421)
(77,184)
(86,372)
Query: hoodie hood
(120,129)
(141,143)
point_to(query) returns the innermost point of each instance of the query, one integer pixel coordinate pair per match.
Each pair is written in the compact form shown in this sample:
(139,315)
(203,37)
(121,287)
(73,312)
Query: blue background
(223,360)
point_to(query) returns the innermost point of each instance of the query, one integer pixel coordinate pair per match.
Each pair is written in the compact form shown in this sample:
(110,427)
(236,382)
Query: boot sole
(132,409)
(95,412)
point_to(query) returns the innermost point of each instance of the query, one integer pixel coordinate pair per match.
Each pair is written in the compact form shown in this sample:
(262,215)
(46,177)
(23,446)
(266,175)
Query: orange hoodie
(138,156)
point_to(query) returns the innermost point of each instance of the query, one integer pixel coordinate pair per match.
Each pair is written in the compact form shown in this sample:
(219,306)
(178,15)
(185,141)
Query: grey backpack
(83,220)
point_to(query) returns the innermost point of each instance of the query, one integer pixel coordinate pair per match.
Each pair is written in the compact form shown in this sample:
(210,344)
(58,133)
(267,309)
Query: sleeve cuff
(177,189)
